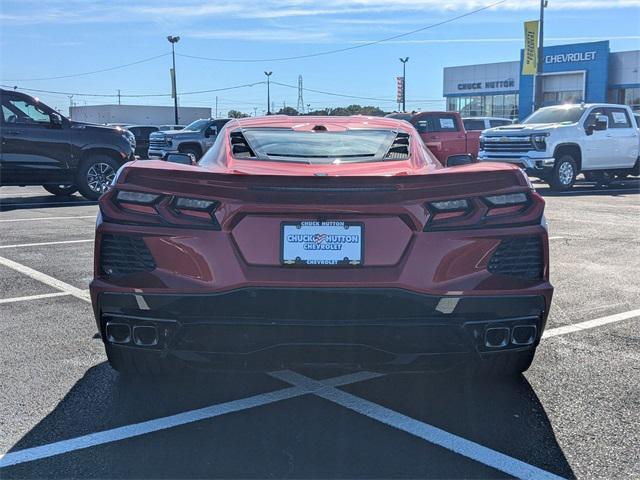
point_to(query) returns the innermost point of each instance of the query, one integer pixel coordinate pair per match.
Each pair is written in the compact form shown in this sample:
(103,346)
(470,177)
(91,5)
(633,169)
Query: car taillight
(128,206)
(492,210)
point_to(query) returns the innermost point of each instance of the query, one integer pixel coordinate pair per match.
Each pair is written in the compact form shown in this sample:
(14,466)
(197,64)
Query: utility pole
(216,106)
(119,97)
(308,107)
(538,93)
(268,74)
(404,82)
(255,111)
(174,91)
(300,105)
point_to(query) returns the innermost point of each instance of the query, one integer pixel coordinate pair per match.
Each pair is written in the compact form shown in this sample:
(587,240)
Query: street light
(404,82)
(538,90)
(173,40)
(268,74)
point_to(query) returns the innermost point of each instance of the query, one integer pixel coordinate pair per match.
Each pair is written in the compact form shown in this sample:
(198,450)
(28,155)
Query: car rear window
(437,123)
(472,125)
(318,147)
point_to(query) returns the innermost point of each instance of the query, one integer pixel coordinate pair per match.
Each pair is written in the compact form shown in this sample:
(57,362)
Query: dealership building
(583,72)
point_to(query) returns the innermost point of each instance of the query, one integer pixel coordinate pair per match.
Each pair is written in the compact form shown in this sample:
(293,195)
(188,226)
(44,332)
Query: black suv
(41,147)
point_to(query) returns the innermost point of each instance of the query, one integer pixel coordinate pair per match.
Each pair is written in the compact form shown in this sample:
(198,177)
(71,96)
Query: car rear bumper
(373,328)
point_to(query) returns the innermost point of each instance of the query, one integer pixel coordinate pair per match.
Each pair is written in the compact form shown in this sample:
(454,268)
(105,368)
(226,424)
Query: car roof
(486,118)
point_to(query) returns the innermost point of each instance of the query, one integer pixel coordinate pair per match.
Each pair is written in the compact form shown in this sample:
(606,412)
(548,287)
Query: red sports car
(320,241)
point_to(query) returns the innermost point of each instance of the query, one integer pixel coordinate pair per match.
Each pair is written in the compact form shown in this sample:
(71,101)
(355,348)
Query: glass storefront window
(505,106)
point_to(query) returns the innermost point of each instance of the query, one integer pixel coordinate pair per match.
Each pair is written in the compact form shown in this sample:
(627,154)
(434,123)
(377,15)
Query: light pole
(404,82)
(173,40)
(268,74)
(538,92)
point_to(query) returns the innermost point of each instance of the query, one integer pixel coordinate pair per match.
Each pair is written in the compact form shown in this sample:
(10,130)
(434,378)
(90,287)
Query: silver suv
(195,139)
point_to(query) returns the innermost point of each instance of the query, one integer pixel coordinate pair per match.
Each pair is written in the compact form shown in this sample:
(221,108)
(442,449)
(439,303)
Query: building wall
(137,114)
(624,69)
(503,77)
(591,58)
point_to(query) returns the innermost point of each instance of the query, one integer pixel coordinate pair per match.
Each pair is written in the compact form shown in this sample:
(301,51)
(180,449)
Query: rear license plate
(322,243)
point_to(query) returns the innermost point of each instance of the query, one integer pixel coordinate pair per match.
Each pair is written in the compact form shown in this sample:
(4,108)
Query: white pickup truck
(557,143)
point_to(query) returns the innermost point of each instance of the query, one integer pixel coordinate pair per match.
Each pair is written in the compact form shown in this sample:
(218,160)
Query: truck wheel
(131,361)
(95,175)
(564,173)
(503,364)
(61,190)
(192,151)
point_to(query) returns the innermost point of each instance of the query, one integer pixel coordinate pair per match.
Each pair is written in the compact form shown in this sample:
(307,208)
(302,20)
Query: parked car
(164,128)
(142,132)
(483,123)
(320,240)
(444,133)
(42,147)
(194,139)
(557,143)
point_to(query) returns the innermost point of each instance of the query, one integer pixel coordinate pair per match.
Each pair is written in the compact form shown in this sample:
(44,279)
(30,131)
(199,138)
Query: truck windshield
(320,147)
(560,114)
(197,126)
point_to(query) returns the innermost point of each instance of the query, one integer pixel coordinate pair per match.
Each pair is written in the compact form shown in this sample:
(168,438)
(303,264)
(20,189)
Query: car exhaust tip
(145,335)
(524,334)
(497,337)
(118,332)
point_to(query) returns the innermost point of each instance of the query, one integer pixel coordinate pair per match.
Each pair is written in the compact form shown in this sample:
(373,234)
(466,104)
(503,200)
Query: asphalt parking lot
(574,414)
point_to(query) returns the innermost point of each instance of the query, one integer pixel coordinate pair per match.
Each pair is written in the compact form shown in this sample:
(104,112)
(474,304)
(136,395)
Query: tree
(236,114)
(287,111)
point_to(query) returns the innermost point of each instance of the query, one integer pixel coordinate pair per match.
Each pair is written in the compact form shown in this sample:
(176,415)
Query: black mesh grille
(518,257)
(123,254)
(240,147)
(400,148)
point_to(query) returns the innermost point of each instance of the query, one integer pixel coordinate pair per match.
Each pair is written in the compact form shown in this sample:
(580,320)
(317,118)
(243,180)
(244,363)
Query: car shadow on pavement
(504,415)
(584,189)
(21,202)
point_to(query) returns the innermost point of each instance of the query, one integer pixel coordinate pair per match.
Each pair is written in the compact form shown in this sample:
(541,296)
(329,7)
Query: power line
(114,95)
(345,49)
(87,73)
(333,94)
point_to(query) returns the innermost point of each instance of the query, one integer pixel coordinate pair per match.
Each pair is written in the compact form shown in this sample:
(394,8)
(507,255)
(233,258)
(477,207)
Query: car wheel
(192,151)
(132,361)
(564,173)
(96,175)
(61,190)
(503,364)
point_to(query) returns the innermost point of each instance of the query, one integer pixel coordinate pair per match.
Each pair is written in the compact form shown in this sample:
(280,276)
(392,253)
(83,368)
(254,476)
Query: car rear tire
(564,173)
(132,361)
(95,175)
(503,364)
(61,190)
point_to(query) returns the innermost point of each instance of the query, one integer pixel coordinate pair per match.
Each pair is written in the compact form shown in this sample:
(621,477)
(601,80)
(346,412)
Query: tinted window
(135,131)
(146,131)
(280,144)
(471,124)
(618,118)
(24,112)
(498,123)
(592,116)
(437,123)
(197,126)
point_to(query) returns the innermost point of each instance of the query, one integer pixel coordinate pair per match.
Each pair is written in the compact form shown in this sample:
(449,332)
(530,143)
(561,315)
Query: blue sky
(61,37)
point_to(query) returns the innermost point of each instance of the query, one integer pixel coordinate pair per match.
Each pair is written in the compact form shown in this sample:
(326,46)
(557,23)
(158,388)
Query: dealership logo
(509,83)
(571,57)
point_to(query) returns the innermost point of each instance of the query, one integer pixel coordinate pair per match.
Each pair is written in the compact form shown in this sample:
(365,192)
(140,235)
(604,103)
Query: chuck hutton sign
(509,83)
(570,57)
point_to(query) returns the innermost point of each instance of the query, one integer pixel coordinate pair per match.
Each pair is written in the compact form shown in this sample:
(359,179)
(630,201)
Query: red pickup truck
(443,133)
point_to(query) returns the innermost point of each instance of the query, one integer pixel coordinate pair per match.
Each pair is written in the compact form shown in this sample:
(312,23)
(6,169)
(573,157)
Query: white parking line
(33,297)
(142,428)
(44,218)
(62,242)
(431,434)
(44,278)
(598,322)
(50,204)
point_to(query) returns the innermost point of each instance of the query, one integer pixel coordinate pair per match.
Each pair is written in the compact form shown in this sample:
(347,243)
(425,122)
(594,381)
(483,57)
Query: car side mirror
(597,124)
(457,160)
(55,120)
(181,158)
